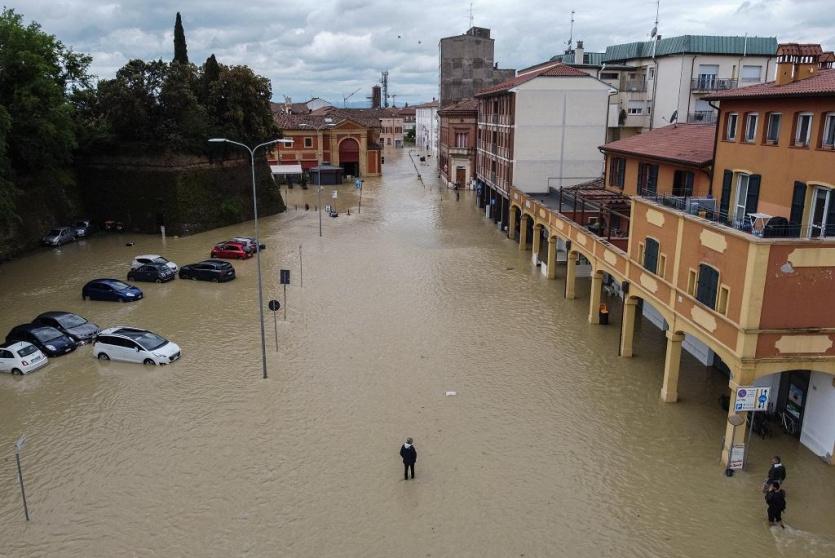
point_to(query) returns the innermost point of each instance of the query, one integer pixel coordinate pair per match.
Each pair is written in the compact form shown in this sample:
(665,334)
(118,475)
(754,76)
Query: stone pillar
(672,365)
(627,333)
(511,227)
(537,237)
(570,275)
(552,257)
(594,298)
(523,232)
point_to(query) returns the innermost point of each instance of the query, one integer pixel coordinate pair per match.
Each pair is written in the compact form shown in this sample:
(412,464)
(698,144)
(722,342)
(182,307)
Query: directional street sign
(274,305)
(284,277)
(750,398)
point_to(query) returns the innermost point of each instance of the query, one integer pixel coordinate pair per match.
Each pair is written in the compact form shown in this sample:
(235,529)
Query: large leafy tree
(37,130)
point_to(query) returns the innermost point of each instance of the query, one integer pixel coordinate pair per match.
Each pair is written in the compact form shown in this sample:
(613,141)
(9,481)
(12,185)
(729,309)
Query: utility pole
(19,446)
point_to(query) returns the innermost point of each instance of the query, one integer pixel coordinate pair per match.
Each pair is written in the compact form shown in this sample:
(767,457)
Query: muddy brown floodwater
(553,445)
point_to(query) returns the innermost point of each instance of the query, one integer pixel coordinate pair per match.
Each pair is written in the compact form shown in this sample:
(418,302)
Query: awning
(286,169)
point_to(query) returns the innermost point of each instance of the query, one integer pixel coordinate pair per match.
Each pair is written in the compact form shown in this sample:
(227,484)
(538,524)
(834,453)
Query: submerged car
(155,273)
(82,228)
(58,236)
(132,344)
(218,271)
(20,357)
(110,289)
(152,259)
(73,325)
(249,243)
(48,339)
(230,250)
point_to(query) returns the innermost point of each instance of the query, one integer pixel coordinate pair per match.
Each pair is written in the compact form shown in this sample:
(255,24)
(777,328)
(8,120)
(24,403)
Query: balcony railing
(758,225)
(634,85)
(711,83)
(702,117)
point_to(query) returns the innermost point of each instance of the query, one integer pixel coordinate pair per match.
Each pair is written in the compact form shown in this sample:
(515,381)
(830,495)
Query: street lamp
(319,173)
(257,239)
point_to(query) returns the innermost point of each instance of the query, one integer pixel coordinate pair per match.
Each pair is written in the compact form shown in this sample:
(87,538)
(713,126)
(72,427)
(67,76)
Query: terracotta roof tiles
(469,104)
(820,85)
(690,144)
(553,69)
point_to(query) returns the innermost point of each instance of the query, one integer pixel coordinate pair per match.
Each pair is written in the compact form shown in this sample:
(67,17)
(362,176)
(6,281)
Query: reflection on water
(552,441)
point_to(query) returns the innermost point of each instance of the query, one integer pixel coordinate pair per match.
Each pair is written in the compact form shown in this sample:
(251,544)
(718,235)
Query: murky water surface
(553,445)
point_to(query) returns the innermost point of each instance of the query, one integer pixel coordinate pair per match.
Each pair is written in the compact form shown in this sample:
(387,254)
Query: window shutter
(688,184)
(651,255)
(725,200)
(707,286)
(798,201)
(641,174)
(653,179)
(753,197)
(829,229)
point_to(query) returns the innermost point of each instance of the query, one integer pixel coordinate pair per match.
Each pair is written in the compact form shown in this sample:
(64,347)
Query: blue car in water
(110,289)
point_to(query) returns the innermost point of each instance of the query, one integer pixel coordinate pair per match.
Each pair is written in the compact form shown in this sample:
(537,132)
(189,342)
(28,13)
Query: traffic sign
(274,305)
(750,398)
(284,277)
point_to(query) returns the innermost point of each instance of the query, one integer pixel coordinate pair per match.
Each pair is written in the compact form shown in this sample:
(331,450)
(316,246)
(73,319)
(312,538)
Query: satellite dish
(654,32)
(674,117)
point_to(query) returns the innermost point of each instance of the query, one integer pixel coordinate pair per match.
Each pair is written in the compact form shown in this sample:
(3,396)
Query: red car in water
(230,251)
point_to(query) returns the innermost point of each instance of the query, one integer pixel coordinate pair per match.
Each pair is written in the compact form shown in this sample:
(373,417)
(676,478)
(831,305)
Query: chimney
(827,60)
(796,62)
(578,53)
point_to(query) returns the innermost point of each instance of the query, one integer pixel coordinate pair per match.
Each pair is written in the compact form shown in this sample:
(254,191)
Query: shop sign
(737,458)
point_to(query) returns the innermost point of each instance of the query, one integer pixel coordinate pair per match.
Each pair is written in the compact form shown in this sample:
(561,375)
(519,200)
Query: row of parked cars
(64,235)
(51,334)
(58,333)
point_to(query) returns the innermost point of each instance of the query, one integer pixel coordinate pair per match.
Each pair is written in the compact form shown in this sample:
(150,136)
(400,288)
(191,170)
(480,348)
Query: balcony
(708,84)
(702,117)
(634,85)
(460,151)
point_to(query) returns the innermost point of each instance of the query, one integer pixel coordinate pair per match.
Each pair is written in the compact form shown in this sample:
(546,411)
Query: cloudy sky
(329,48)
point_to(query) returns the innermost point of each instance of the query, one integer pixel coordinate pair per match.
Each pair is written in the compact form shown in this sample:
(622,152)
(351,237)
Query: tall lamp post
(257,239)
(319,173)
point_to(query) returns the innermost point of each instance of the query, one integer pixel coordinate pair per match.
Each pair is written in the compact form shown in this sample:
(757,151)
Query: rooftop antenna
(571,33)
(471,15)
(385,83)
(654,31)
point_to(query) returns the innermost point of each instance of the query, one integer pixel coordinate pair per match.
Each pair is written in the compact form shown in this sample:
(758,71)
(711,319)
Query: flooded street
(552,446)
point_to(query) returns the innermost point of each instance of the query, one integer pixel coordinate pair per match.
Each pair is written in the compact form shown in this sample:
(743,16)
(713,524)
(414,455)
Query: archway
(349,156)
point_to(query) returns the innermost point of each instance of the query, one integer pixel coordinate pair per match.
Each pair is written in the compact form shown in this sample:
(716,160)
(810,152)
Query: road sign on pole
(284,277)
(750,398)
(274,306)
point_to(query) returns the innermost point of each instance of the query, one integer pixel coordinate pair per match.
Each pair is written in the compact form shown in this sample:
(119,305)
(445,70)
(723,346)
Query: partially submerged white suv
(131,344)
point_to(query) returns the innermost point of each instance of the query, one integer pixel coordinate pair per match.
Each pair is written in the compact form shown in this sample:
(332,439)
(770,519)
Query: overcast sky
(329,48)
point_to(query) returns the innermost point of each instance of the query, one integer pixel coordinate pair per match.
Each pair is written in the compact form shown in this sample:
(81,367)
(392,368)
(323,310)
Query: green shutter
(725,200)
(753,197)
(798,201)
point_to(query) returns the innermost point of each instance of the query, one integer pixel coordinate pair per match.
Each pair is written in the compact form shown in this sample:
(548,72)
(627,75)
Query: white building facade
(426,127)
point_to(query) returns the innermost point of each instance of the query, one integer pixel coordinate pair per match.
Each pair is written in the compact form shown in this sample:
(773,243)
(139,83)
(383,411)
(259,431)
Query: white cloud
(328,48)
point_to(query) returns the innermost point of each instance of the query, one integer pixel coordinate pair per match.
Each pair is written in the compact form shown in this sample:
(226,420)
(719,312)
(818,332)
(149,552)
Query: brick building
(458,130)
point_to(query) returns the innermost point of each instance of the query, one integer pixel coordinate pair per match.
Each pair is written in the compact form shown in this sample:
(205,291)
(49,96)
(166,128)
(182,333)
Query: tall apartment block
(467,65)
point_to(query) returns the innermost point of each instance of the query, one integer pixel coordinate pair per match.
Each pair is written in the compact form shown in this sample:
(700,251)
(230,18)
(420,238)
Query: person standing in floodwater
(409,455)
(775,499)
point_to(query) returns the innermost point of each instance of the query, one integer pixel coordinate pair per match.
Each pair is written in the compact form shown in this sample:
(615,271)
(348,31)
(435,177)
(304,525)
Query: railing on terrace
(637,85)
(702,117)
(710,83)
(756,224)
(598,218)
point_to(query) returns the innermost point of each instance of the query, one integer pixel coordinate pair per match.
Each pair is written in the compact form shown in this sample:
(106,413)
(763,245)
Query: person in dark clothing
(409,455)
(775,499)
(776,473)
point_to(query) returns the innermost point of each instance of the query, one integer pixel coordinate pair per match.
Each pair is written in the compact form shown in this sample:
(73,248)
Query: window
(462,139)
(747,197)
(772,133)
(751,127)
(707,76)
(608,75)
(308,142)
(683,183)
(635,107)
(751,73)
(647,179)
(707,286)
(617,172)
(828,140)
(730,129)
(651,73)
(651,255)
(822,217)
(803,128)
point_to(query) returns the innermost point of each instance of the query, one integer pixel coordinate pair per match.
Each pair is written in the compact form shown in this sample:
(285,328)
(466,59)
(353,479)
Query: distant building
(376,97)
(467,66)
(391,130)
(409,115)
(426,127)
(457,153)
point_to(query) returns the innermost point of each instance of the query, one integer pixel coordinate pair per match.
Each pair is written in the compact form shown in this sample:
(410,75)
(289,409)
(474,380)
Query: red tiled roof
(554,69)
(462,105)
(795,49)
(691,144)
(820,85)
(430,104)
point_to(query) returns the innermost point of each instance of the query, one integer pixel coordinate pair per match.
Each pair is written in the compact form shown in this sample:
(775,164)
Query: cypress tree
(212,69)
(180,49)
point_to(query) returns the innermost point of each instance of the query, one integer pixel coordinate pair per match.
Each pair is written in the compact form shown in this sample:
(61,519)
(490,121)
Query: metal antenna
(471,15)
(571,34)
(654,31)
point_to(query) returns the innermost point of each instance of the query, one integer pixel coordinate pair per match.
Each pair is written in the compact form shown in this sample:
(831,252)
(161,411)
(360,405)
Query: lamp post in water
(257,239)
(19,446)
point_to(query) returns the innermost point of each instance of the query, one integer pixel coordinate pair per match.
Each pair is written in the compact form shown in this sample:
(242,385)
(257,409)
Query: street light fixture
(318,174)
(257,239)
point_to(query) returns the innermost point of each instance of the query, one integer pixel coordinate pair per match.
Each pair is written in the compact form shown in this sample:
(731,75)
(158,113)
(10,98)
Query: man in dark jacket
(409,455)
(776,473)
(775,499)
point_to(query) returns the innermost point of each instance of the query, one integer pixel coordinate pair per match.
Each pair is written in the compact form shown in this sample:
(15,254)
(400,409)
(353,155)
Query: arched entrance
(349,157)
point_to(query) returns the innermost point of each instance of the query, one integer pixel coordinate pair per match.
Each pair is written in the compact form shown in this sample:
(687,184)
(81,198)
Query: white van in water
(134,345)
(21,357)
